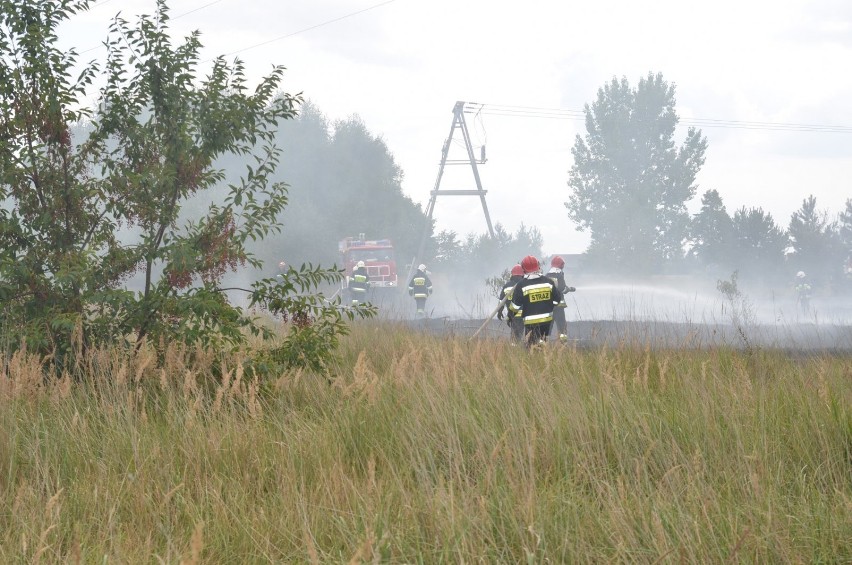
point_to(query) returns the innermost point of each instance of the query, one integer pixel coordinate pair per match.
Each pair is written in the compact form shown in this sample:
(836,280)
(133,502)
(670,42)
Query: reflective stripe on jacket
(360,281)
(534,299)
(420,285)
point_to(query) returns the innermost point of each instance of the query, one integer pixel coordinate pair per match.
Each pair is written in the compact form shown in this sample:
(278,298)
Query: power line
(274,39)
(579,115)
(780,126)
(325,23)
(538,112)
(170,19)
(471,106)
(99,4)
(196,9)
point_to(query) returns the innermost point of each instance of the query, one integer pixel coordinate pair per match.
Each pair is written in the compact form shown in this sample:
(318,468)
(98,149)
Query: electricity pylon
(460,124)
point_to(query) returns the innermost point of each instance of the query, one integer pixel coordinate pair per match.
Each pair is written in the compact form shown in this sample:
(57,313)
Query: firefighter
(359,284)
(557,275)
(533,300)
(803,292)
(282,271)
(420,287)
(515,324)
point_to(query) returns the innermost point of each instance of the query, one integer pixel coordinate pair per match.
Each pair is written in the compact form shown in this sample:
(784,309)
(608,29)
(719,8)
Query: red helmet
(557,262)
(517,270)
(529,264)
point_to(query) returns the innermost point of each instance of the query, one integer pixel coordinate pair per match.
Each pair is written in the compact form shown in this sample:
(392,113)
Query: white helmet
(421,267)
(282,265)
(360,264)
(800,274)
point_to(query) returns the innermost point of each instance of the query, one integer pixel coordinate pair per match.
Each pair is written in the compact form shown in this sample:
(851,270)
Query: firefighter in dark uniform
(359,284)
(516,325)
(557,275)
(420,287)
(533,300)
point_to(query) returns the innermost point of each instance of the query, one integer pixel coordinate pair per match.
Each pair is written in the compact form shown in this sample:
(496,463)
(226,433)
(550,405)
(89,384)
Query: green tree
(367,185)
(154,135)
(759,244)
(629,181)
(844,229)
(481,253)
(306,235)
(344,181)
(448,248)
(712,232)
(844,236)
(815,242)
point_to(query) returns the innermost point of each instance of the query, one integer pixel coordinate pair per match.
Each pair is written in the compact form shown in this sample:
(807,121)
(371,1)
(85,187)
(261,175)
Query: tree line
(630,183)
(343,181)
(174,180)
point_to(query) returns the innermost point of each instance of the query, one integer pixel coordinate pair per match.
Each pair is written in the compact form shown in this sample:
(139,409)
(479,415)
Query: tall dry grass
(423,449)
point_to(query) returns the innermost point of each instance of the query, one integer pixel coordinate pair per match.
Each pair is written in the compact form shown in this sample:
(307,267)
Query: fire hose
(488,319)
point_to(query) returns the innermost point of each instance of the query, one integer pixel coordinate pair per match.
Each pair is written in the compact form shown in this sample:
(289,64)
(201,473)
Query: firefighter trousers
(536,333)
(357,296)
(421,306)
(559,318)
(516,325)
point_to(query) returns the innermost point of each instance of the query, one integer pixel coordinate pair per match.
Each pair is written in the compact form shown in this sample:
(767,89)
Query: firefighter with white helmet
(803,292)
(534,300)
(515,324)
(557,275)
(282,270)
(359,284)
(420,287)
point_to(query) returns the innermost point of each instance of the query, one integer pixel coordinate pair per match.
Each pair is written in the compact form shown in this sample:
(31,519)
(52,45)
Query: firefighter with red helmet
(533,300)
(359,284)
(557,275)
(515,324)
(420,287)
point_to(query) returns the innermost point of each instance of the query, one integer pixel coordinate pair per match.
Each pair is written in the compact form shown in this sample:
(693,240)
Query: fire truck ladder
(460,124)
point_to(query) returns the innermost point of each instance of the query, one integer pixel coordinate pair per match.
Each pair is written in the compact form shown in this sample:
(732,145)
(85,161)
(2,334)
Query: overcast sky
(402,64)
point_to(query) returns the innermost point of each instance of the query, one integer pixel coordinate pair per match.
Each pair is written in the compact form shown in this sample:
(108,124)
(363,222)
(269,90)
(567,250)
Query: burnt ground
(661,312)
(803,337)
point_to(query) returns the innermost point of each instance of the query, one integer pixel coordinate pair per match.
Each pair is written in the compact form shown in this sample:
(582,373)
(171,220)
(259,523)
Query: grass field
(421,449)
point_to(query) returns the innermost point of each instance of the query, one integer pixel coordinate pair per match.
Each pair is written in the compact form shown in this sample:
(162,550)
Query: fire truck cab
(377,255)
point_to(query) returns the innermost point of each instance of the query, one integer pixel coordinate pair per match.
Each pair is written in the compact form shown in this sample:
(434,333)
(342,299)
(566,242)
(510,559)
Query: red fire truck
(377,255)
